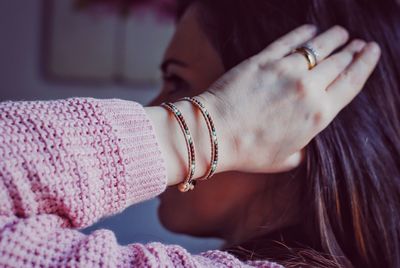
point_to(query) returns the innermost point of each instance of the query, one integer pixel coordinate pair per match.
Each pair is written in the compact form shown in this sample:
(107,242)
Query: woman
(343,202)
(67,163)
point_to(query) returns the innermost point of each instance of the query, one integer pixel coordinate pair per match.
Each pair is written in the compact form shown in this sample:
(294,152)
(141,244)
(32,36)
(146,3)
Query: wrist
(172,141)
(226,141)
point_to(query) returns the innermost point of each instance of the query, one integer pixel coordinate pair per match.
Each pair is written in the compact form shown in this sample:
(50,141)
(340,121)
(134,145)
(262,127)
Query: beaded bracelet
(213,136)
(189,183)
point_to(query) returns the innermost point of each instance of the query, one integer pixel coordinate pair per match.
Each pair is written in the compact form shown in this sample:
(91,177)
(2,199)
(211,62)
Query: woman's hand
(268,108)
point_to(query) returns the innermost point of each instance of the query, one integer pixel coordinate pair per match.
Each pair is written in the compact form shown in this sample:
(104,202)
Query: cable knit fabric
(65,164)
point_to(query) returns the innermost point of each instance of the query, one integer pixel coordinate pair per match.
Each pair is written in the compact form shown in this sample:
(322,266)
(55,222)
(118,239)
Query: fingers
(328,70)
(323,44)
(287,43)
(328,41)
(352,80)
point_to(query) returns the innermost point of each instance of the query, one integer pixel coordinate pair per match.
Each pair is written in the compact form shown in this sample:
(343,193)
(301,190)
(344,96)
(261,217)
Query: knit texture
(65,164)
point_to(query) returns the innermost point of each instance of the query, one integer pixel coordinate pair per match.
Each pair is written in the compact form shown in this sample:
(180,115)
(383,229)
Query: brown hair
(352,182)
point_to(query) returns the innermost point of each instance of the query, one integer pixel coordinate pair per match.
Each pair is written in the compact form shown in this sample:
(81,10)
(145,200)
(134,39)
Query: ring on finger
(309,53)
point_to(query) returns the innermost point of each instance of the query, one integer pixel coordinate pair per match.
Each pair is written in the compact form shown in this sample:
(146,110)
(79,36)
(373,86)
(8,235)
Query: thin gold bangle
(213,136)
(189,183)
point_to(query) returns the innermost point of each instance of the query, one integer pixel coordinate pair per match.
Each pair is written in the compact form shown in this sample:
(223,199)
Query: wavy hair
(352,168)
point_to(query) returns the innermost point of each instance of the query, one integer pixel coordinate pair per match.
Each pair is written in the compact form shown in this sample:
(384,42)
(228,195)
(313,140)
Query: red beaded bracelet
(189,182)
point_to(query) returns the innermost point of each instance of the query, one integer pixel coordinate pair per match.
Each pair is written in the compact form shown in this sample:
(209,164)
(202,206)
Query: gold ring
(309,54)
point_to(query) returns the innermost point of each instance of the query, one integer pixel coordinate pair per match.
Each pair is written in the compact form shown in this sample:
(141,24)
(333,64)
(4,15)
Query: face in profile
(231,205)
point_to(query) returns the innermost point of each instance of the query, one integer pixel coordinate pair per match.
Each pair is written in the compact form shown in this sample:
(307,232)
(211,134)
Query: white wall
(20,71)
(21,79)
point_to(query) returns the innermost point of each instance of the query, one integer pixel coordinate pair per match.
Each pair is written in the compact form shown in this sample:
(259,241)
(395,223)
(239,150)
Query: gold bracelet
(213,136)
(189,182)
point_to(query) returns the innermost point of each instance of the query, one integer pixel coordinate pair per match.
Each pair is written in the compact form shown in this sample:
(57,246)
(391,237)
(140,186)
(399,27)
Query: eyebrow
(167,62)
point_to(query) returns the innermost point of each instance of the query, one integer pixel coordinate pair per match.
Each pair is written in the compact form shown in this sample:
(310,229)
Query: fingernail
(374,47)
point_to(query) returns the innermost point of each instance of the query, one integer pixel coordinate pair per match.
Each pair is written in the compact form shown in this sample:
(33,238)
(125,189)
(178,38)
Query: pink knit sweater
(64,165)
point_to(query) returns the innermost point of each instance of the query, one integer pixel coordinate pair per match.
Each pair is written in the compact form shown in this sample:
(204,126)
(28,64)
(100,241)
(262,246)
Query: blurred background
(91,48)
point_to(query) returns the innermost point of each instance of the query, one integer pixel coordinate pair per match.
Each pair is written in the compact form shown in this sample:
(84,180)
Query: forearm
(79,158)
(172,142)
(86,158)
(44,241)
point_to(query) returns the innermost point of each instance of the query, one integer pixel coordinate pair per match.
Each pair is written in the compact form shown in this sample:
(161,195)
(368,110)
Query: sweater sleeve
(63,165)
(81,159)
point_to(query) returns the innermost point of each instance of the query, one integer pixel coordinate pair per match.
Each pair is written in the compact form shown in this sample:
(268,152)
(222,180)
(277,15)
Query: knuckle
(300,30)
(302,86)
(356,45)
(344,76)
(317,118)
(251,66)
(281,68)
(279,44)
(340,30)
(321,115)
(285,42)
(356,80)
(318,109)
(366,61)
(253,59)
(346,57)
(340,62)
(274,46)
(263,65)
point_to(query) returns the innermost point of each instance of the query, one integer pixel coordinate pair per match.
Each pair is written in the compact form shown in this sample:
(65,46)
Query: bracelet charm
(189,183)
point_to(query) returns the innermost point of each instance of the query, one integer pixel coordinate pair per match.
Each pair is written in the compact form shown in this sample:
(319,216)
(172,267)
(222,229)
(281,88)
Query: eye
(175,83)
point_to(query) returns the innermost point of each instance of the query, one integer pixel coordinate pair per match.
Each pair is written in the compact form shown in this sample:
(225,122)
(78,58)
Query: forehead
(189,42)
